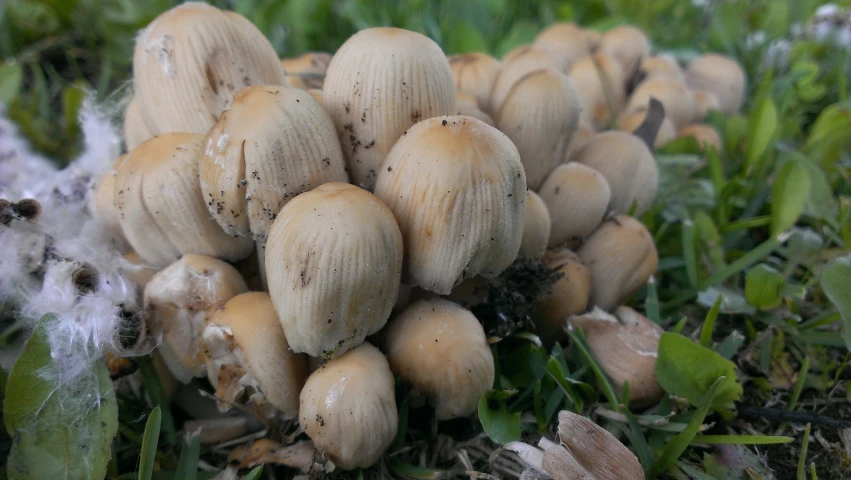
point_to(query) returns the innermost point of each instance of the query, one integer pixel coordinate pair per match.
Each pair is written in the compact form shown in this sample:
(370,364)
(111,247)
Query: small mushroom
(721,76)
(673,94)
(441,349)
(599,79)
(381,82)
(272,144)
(180,298)
(627,44)
(566,40)
(630,120)
(191,60)
(628,166)
(306,71)
(540,114)
(661,66)
(318,96)
(621,257)
(625,345)
(467,106)
(704,102)
(475,73)
(333,261)
(516,64)
(348,407)
(249,360)
(162,212)
(102,202)
(584,132)
(705,135)
(568,296)
(136,131)
(577,197)
(536,229)
(458,191)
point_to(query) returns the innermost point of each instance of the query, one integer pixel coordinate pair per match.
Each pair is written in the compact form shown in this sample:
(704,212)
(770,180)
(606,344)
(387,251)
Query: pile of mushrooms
(285,211)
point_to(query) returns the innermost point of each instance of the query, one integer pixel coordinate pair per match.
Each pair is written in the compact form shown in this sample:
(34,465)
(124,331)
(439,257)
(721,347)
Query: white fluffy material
(38,259)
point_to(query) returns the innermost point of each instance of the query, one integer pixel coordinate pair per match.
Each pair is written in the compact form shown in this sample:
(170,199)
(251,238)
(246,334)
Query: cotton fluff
(39,259)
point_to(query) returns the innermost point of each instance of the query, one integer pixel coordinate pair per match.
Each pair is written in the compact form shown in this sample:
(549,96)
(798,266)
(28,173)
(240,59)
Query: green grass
(750,238)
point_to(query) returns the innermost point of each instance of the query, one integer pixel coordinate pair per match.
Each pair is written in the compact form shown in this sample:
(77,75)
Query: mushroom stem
(652,122)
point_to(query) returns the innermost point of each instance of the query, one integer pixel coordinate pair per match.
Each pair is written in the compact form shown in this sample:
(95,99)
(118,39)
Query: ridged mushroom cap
(627,164)
(540,114)
(566,40)
(599,80)
(720,75)
(102,201)
(516,64)
(568,296)
(180,298)
(661,66)
(306,71)
(136,131)
(348,407)
(458,191)
(333,265)
(163,214)
(272,144)
(441,349)
(191,60)
(627,44)
(476,74)
(621,257)
(577,197)
(248,355)
(674,95)
(380,82)
(536,229)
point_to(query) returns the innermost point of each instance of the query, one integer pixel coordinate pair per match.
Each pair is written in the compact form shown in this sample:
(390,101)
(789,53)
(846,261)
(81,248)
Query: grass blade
(149,444)
(802,460)
(740,440)
(799,385)
(154,388)
(689,254)
(187,464)
(558,375)
(609,392)
(709,323)
(678,444)
(254,474)
(651,303)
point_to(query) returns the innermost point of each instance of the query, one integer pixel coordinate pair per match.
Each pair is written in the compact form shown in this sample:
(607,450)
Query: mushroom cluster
(373,191)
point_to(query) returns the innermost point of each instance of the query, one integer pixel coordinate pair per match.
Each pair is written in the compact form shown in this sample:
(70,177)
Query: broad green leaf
(789,195)
(763,286)
(501,425)
(60,430)
(406,470)
(835,280)
(762,128)
(254,474)
(829,135)
(11,77)
(688,370)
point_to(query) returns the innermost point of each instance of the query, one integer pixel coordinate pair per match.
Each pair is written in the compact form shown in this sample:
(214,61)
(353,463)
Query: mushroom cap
(584,132)
(189,62)
(163,213)
(662,66)
(272,144)
(706,135)
(467,107)
(577,197)
(625,345)
(248,324)
(536,229)
(380,82)
(441,349)
(475,73)
(566,40)
(720,75)
(540,114)
(674,95)
(135,130)
(457,189)
(333,264)
(627,44)
(621,257)
(599,80)
(348,407)
(628,166)
(179,298)
(704,102)
(515,65)
(306,71)
(318,96)
(629,120)
(568,296)
(102,202)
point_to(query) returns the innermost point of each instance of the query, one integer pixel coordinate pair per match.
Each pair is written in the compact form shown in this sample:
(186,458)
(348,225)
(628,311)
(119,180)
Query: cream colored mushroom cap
(381,81)
(515,65)
(599,80)
(457,189)
(662,66)
(102,201)
(536,230)
(256,331)
(272,144)
(190,61)
(566,40)
(720,75)
(627,44)
(630,120)
(348,407)
(135,130)
(476,74)
(333,262)
(441,349)
(674,95)
(577,197)
(569,295)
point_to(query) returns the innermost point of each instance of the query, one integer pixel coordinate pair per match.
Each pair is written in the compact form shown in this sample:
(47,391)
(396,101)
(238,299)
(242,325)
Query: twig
(776,416)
